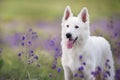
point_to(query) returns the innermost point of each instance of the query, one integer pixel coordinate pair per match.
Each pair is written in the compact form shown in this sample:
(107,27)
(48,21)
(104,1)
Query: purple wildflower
(50,75)
(109,67)
(75,75)
(33,32)
(29,42)
(31,51)
(95,73)
(84,63)
(22,43)
(80,57)
(0,50)
(81,76)
(36,57)
(81,68)
(117,76)
(53,66)
(31,54)
(51,43)
(104,75)
(23,38)
(107,72)
(99,68)
(107,60)
(19,54)
(59,70)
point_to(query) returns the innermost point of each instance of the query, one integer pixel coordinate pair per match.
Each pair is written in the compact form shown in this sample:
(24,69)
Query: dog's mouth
(71,42)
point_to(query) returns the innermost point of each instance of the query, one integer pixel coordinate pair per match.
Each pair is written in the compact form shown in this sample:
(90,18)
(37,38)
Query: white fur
(95,50)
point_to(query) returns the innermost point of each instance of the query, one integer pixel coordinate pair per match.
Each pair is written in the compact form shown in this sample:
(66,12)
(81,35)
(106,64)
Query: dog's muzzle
(71,42)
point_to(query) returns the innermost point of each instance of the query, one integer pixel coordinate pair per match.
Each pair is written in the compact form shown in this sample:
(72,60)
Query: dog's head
(75,29)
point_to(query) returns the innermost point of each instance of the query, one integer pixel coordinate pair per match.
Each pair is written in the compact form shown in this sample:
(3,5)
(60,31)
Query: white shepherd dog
(84,57)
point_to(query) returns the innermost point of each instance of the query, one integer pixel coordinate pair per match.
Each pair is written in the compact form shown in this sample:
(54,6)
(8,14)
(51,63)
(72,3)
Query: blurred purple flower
(22,43)
(59,70)
(81,76)
(117,72)
(99,68)
(53,66)
(75,75)
(50,75)
(1,50)
(29,42)
(107,72)
(23,38)
(84,63)
(36,57)
(81,68)
(19,54)
(80,57)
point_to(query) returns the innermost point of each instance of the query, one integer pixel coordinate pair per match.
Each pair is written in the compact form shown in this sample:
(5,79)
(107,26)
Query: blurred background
(30,35)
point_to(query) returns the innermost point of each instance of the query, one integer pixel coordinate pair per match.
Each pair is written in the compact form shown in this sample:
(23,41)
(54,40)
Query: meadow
(30,35)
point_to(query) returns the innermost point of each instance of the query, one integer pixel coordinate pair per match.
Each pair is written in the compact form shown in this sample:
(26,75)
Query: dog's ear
(83,15)
(67,13)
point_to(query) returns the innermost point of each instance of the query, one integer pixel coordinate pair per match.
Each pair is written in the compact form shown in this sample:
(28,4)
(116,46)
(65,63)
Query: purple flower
(31,51)
(84,63)
(81,68)
(29,42)
(107,60)
(31,54)
(117,72)
(109,66)
(33,32)
(80,57)
(23,38)
(0,50)
(50,75)
(53,66)
(75,75)
(99,68)
(36,57)
(59,70)
(19,54)
(107,72)
(81,76)
(104,75)
(115,34)
(22,43)
(51,43)
(94,73)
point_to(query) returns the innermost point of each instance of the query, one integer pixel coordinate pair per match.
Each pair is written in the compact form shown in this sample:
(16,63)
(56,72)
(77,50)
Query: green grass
(13,69)
(53,9)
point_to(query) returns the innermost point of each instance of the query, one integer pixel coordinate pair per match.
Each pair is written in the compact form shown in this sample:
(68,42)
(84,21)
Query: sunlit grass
(50,10)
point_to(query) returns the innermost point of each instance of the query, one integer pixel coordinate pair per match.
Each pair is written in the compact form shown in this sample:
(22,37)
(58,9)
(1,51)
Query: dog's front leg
(67,74)
(90,67)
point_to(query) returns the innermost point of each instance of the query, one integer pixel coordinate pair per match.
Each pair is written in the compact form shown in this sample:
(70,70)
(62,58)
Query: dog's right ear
(67,14)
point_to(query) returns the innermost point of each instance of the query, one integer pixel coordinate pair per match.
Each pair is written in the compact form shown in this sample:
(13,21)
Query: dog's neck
(81,43)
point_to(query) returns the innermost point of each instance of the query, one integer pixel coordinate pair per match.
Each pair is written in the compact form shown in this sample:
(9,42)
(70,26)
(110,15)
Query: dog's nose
(68,35)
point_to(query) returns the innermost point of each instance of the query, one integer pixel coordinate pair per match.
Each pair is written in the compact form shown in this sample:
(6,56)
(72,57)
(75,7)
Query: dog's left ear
(83,15)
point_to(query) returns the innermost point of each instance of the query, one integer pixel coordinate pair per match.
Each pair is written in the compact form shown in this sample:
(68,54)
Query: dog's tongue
(70,44)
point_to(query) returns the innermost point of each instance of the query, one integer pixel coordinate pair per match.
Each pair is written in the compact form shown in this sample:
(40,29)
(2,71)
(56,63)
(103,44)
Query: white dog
(84,57)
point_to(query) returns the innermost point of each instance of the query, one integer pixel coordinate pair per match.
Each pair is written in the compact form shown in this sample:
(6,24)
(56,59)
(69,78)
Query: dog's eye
(76,26)
(67,26)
